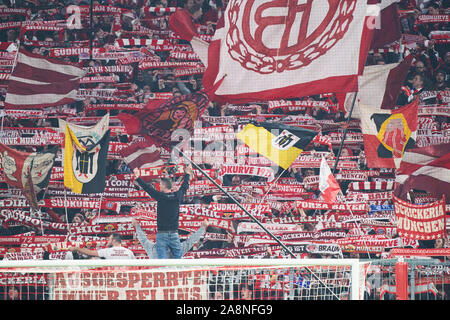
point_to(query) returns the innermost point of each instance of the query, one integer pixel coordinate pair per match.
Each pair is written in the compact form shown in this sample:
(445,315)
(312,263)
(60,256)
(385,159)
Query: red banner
(247,170)
(291,106)
(320,205)
(80,203)
(131,285)
(420,222)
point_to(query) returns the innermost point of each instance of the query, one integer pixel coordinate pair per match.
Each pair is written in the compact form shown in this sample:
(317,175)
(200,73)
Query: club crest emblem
(394,135)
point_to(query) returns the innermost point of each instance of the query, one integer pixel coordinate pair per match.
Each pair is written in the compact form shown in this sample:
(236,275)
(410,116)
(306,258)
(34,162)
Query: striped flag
(159,10)
(38,82)
(141,154)
(426,169)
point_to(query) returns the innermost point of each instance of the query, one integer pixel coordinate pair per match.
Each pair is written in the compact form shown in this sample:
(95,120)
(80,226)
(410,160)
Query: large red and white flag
(327,183)
(425,169)
(37,82)
(379,86)
(267,50)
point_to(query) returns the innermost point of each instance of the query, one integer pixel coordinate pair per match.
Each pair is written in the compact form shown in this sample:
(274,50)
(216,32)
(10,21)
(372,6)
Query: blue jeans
(168,241)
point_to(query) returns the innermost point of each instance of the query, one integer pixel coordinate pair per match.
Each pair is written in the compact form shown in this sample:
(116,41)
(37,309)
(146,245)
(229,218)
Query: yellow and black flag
(280,143)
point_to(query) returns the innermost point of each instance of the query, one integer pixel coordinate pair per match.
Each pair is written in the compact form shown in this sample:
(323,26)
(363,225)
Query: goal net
(189,279)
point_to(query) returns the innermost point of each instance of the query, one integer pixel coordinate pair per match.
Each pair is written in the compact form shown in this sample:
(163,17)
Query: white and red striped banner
(370,186)
(158,9)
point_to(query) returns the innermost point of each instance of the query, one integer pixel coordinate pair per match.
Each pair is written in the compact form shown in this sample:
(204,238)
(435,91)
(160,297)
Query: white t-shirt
(116,253)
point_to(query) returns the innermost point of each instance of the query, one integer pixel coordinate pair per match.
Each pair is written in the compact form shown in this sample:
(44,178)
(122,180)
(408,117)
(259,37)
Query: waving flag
(22,168)
(37,82)
(267,50)
(159,120)
(388,133)
(181,23)
(426,169)
(85,151)
(279,143)
(327,183)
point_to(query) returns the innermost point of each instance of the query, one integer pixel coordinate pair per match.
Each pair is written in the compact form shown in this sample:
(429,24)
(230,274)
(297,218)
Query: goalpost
(187,279)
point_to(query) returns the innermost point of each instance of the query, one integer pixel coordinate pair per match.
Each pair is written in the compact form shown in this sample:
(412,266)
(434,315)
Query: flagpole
(100,206)
(253,218)
(33,196)
(3,118)
(40,218)
(65,208)
(344,134)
